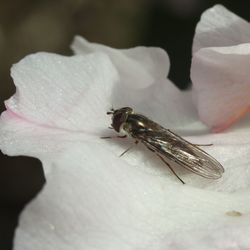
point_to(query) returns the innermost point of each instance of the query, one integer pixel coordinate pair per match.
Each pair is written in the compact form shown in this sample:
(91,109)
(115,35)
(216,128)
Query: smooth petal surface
(221,84)
(56,98)
(59,91)
(139,67)
(68,97)
(143,84)
(227,237)
(220,68)
(219,27)
(117,203)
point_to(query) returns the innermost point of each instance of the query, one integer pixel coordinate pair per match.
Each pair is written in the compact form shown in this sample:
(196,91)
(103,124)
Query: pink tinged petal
(221,84)
(62,92)
(21,137)
(219,27)
(220,68)
(138,67)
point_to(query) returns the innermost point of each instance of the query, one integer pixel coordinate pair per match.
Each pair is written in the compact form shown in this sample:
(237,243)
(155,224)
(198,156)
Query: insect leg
(209,144)
(170,168)
(136,142)
(164,162)
(113,137)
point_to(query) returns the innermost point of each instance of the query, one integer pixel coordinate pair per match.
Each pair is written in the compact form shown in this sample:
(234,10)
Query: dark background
(28,26)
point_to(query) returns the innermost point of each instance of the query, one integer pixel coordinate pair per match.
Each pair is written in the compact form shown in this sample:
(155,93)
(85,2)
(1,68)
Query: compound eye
(118,119)
(126,109)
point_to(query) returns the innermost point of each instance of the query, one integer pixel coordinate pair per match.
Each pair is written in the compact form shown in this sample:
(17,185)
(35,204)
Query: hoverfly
(164,143)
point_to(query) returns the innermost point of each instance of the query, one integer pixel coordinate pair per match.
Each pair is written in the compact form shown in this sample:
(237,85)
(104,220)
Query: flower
(95,200)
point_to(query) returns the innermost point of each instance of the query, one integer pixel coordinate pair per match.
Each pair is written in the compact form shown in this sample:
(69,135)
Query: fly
(164,143)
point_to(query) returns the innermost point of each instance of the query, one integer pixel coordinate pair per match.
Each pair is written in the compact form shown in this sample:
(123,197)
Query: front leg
(136,142)
(200,145)
(169,166)
(113,137)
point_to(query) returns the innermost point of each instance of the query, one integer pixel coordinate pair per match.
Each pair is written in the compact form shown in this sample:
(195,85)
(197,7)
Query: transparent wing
(168,144)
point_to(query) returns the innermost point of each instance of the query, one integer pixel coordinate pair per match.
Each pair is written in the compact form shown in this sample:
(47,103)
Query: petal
(59,98)
(233,235)
(96,200)
(219,27)
(138,67)
(20,137)
(144,87)
(62,92)
(221,85)
(79,88)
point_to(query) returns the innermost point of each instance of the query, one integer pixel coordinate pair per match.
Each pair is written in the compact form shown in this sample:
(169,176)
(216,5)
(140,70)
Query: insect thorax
(134,124)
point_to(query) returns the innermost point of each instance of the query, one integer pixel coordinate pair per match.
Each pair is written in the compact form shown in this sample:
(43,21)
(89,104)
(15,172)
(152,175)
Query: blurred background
(28,26)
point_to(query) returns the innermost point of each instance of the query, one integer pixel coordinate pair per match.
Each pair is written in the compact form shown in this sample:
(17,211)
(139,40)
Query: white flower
(95,200)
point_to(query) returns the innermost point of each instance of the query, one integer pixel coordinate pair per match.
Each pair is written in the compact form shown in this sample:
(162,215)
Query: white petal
(221,84)
(144,87)
(20,137)
(97,200)
(219,27)
(62,92)
(139,67)
(233,235)
(67,97)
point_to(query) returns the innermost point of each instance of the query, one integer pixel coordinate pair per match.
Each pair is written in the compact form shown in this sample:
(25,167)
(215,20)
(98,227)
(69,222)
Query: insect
(164,143)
